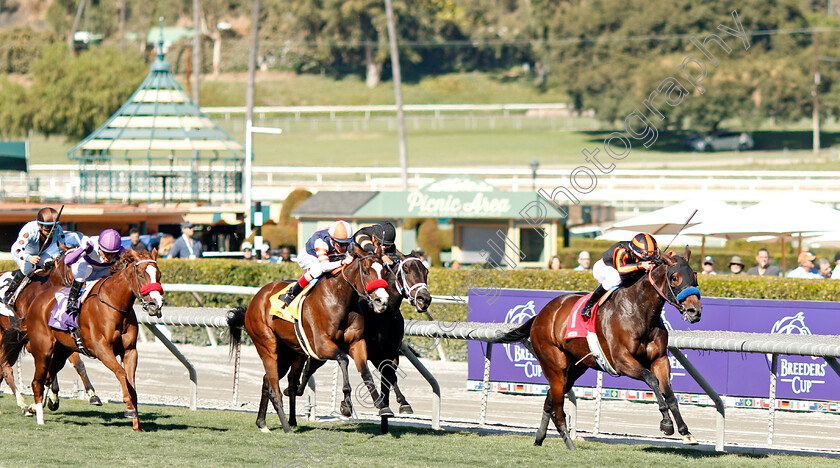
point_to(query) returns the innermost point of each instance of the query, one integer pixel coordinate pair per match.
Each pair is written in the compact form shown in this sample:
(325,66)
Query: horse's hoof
(131,414)
(689,439)
(29,410)
(265,429)
(286,391)
(406,409)
(346,410)
(95,401)
(667,427)
(53,405)
(386,412)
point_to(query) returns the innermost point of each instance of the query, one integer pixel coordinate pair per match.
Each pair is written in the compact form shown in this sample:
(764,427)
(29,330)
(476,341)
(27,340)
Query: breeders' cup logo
(801,375)
(517,352)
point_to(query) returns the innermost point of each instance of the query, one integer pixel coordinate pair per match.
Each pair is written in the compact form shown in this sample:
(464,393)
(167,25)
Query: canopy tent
(670,219)
(781,218)
(661,239)
(163,130)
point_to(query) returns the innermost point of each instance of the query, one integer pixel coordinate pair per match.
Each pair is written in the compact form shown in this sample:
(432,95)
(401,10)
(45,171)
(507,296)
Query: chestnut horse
(631,334)
(330,327)
(384,332)
(49,276)
(107,325)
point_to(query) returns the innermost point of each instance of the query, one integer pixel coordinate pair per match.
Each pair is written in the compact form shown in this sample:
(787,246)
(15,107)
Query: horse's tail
(14,339)
(235,320)
(519,333)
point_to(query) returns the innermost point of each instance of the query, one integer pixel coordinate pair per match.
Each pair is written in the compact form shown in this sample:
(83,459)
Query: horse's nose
(379,305)
(422,302)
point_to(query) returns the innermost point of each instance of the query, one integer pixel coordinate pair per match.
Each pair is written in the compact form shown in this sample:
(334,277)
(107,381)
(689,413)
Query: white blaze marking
(378,269)
(380,292)
(153,273)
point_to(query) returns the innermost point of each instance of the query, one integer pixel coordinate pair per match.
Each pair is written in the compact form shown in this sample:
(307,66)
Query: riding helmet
(109,241)
(387,234)
(643,245)
(47,216)
(340,232)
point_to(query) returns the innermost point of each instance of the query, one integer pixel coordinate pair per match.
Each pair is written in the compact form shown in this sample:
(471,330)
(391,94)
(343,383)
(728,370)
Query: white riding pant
(313,266)
(606,275)
(83,271)
(27,268)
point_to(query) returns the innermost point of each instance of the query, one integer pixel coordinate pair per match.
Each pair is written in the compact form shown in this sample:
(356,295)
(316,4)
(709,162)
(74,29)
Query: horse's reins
(138,292)
(678,297)
(402,283)
(373,285)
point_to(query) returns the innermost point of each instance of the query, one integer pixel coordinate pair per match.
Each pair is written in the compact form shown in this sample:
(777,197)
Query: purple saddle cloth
(59,319)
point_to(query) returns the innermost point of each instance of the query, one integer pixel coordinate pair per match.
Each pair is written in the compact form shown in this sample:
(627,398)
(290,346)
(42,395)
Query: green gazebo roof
(159,121)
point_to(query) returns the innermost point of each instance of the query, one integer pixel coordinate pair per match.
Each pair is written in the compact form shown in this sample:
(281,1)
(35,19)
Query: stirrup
(77,338)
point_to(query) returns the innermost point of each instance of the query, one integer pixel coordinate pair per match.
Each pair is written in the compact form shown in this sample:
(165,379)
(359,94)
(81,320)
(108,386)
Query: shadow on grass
(150,421)
(365,428)
(699,454)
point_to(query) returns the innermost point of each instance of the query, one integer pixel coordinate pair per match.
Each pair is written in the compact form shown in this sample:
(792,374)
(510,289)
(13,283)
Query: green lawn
(78,435)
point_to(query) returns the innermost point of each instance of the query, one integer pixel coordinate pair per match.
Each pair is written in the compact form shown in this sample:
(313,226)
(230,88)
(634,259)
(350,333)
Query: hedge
(446,282)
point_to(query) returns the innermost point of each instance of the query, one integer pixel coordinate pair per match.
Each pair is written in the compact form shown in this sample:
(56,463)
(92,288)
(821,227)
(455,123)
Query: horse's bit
(677,297)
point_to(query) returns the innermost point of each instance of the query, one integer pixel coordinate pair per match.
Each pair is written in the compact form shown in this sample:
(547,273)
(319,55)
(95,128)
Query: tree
(73,95)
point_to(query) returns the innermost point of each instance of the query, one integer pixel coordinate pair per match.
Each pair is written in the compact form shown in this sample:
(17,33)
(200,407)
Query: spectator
(736,266)
(265,253)
(583,261)
(764,268)
(824,268)
(836,273)
(185,246)
(806,264)
(286,255)
(422,253)
(555,263)
(455,265)
(708,266)
(247,250)
(165,245)
(136,243)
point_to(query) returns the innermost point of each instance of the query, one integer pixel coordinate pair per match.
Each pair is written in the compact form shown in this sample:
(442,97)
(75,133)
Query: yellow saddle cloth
(290,313)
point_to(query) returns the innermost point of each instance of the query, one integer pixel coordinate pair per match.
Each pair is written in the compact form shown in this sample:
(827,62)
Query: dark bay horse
(56,275)
(331,329)
(384,333)
(631,334)
(107,325)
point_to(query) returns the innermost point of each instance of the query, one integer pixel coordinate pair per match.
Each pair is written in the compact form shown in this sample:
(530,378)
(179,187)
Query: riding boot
(596,295)
(290,295)
(73,297)
(10,293)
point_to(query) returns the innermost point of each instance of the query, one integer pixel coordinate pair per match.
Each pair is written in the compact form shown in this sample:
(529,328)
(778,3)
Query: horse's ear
(154,253)
(687,254)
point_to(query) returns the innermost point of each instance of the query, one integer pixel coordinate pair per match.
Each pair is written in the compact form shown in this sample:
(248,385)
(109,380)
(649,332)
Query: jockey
(622,264)
(91,261)
(315,259)
(382,234)
(35,237)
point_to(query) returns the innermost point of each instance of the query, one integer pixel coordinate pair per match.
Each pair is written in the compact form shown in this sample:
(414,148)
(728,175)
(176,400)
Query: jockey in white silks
(28,250)
(90,261)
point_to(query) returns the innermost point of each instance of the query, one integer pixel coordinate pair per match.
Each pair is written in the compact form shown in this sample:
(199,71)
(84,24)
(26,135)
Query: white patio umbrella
(780,217)
(670,219)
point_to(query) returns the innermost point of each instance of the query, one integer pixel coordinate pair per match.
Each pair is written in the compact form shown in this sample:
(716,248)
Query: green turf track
(81,435)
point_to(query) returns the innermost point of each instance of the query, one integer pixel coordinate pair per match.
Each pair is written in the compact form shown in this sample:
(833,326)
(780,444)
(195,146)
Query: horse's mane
(125,259)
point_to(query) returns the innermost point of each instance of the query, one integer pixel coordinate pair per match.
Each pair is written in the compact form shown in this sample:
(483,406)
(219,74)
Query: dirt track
(161,379)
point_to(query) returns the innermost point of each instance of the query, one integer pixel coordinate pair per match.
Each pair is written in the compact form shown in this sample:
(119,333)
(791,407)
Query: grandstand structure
(159,146)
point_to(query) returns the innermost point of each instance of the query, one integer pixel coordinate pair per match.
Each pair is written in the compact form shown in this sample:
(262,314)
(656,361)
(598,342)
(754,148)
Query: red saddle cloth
(576,326)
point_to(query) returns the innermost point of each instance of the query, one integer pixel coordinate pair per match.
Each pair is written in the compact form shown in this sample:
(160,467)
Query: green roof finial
(160,53)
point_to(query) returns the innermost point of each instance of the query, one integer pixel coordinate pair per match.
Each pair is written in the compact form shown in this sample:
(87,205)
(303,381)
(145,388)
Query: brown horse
(383,332)
(54,275)
(327,321)
(631,334)
(107,325)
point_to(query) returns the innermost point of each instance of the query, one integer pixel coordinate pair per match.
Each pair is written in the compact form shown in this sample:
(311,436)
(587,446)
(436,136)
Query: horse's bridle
(678,297)
(372,286)
(402,284)
(138,292)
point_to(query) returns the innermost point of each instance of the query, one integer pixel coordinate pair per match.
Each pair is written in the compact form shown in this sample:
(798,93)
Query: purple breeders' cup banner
(746,374)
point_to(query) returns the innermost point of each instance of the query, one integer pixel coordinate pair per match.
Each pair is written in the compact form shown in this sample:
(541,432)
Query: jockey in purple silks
(35,237)
(90,261)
